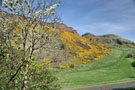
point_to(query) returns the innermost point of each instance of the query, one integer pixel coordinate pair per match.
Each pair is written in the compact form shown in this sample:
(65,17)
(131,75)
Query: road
(119,86)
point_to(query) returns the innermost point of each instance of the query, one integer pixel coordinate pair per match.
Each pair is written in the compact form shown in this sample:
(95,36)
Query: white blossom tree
(24,36)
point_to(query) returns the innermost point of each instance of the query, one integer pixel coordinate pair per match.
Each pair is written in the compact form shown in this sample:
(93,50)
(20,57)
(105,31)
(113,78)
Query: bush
(72,65)
(40,78)
(133,64)
(47,79)
(131,55)
(63,46)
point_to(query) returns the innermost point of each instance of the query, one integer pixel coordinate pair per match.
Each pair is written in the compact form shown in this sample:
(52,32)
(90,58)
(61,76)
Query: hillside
(114,68)
(69,49)
(65,49)
(58,26)
(110,40)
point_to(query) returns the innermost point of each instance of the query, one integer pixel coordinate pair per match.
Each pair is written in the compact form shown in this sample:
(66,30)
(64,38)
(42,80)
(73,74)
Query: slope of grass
(113,68)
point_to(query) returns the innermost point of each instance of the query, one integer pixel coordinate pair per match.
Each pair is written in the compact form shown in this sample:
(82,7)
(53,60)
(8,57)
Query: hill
(110,40)
(69,49)
(58,26)
(66,48)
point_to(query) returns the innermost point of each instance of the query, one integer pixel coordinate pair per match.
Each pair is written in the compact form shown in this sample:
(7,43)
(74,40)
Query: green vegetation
(20,39)
(29,42)
(113,68)
(27,50)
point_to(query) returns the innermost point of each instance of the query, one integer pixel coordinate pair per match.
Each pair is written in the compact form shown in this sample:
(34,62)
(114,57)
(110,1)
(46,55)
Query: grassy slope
(113,68)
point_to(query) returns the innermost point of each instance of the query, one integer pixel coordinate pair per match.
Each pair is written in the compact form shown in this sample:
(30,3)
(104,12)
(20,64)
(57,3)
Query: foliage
(20,39)
(42,78)
(39,78)
(12,61)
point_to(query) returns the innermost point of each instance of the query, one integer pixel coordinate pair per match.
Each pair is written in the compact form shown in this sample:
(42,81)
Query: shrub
(72,65)
(131,55)
(40,78)
(63,46)
(133,64)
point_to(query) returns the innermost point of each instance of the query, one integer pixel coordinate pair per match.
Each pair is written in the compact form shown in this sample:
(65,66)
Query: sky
(100,16)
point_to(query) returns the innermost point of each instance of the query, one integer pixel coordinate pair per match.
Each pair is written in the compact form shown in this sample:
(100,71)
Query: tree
(22,37)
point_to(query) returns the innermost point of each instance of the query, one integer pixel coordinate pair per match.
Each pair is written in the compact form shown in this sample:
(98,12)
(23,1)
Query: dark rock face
(66,28)
(118,41)
(61,26)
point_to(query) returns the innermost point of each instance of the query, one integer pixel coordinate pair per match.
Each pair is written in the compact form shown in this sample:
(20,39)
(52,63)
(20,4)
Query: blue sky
(100,16)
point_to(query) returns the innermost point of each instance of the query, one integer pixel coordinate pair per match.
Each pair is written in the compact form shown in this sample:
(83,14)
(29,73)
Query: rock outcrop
(109,39)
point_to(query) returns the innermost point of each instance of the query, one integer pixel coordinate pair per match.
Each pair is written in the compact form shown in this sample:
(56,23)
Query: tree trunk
(25,82)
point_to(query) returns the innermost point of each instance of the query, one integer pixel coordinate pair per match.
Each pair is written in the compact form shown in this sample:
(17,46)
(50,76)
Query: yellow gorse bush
(132,46)
(47,63)
(17,29)
(67,65)
(62,66)
(93,52)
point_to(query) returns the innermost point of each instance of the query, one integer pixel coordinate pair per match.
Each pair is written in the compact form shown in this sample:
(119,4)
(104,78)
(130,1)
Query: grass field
(113,68)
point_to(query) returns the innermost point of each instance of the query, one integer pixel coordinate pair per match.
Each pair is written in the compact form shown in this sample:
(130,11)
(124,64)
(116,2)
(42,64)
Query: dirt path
(118,86)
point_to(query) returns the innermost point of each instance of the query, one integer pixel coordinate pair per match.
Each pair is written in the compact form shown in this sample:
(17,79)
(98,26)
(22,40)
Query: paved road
(108,87)
(114,87)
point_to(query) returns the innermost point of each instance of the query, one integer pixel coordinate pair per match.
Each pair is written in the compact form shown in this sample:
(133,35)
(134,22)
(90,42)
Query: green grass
(113,68)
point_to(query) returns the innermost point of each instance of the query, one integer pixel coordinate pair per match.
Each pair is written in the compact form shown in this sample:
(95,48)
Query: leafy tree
(20,38)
